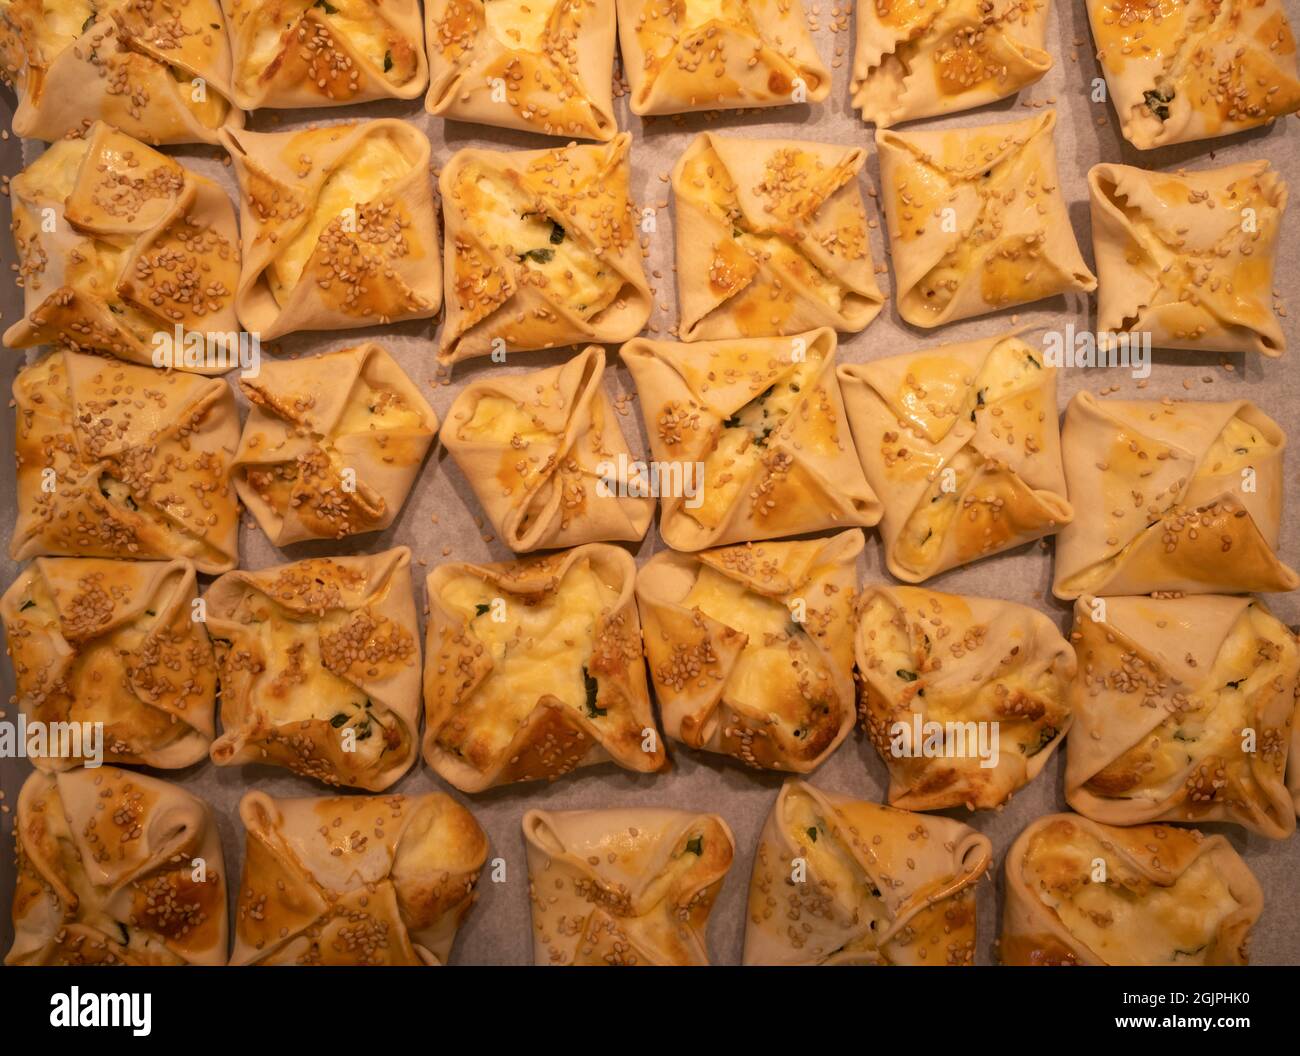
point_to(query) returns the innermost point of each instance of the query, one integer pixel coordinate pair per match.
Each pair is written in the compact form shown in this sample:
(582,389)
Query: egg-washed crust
(175,233)
(916,59)
(138,459)
(113,642)
(116,868)
(624,886)
(1187,257)
(1008,241)
(355,880)
(559,84)
(1137,860)
(319,58)
(1155,514)
(354,622)
(736,199)
(545,491)
(910,899)
(378,266)
(1293,766)
(695,656)
(553,739)
(300,439)
(1185,677)
(1183,70)
(949,658)
(496,297)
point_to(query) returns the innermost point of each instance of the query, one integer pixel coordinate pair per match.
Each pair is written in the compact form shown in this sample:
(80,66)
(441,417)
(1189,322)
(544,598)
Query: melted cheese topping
(372,408)
(519,25)
(500,418)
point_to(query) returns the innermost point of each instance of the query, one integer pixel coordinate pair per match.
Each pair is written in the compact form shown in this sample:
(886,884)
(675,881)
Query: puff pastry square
(1171,896)
(138,461)
(751,648)
(319,668)
(1173,496)
(538,65)
(355,880)
(976,220)
(1182,70)
(1188,257)
(838,881)
(338,227)
(534,669)
(541,250)
(331,445)
(628,886)
(538,448)
(118,243)
(116,868)
(917,59)
(771,238)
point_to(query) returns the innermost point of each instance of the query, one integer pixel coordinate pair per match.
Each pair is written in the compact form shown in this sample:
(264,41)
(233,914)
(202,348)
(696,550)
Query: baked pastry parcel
(159,70)
(976,220)
(964,698)
(541,249)
(332,444)
(916,59)
(338,227)
(771,238)
(120,249)
(116,868)
(546,457)
(757,429)
(1172,496)
(1195,69)
(1185,710)
(1187,257)
(355,880)
(114,643)
(751,648)
(117,460)
(624,886)
(838,881)
(538,65)
(1078,892)
(961,444)
(319,668)
(534,669)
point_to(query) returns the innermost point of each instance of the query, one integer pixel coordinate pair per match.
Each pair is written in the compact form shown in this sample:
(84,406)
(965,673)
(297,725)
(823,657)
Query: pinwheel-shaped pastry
(116,868)
(355,880)
(121,250)
(838,881)
(156,69)
(539,65)
(305,53)
(917,59)
(1195,69)
(319,668)
(964,698)
(332,444)
(757,431)
(1083,893)
(976,220)
(1185,707)
(1173,496)
(751,648)
(1187,258)
(546,457)
(116,460)
(534,669)
(631,886)
(961,444)
(541,250)
(771,238)
(338,227)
